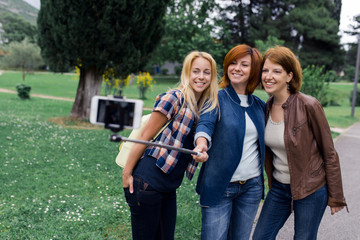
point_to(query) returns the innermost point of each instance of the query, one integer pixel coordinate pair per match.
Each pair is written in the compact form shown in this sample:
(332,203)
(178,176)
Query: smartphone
(111,112)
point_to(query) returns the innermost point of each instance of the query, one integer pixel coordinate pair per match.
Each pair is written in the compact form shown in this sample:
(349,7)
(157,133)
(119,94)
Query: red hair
(255,71)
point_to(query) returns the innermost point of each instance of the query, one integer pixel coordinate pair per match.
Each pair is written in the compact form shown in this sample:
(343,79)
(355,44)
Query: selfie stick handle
(184,150)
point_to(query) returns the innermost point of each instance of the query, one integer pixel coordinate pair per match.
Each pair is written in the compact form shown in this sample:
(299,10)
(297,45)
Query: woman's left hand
(336,209)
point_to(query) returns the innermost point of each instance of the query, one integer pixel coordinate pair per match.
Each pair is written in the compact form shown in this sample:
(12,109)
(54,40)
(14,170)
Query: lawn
(62,182)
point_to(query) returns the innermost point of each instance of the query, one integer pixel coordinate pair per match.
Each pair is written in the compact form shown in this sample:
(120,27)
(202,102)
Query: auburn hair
(240,51)
(287,59)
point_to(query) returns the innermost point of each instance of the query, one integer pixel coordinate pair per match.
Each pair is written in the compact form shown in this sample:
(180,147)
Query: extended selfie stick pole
(118,138)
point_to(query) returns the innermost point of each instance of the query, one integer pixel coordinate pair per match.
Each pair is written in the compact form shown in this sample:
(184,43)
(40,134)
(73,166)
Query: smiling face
(238,72)
(200,76)
(274,79)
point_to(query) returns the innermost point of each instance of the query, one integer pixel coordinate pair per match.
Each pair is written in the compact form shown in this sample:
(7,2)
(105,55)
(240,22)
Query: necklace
(278,104)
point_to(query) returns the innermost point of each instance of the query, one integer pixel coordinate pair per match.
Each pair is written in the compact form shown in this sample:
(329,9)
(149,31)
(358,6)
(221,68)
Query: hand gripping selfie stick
(118,138)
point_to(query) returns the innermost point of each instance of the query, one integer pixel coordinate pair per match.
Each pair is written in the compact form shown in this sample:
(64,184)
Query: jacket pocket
(298,126)
(318,170)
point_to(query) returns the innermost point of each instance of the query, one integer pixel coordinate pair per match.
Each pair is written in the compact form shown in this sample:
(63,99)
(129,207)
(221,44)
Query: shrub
(357,103)
(23,91)
(334,98)
(316,83)
(144,81)
(178,70)
(164,71)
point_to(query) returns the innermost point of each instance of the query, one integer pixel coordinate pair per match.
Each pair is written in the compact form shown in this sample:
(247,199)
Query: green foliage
(16,29)
(350,62)
(23,55)
(119,34)
(308,27)
(315,83)
(96,36)
(357,102)
(178,70)
(190,25)
(271,41)
(164,71)
(23,91)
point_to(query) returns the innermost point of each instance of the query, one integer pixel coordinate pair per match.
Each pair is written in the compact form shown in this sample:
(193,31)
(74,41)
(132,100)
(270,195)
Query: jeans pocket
(130,197)
(259,181)
(149,197)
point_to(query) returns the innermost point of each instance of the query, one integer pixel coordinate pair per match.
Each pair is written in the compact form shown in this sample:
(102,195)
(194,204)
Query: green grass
(53,84)
(63,183)
(65,85)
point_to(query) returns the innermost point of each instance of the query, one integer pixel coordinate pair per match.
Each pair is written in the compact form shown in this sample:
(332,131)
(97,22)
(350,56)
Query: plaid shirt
(174,134)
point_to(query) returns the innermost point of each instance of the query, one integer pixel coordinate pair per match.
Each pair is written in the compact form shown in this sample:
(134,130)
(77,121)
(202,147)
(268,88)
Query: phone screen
(116,111)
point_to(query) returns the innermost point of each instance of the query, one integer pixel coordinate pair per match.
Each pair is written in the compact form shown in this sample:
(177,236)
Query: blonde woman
(152,174)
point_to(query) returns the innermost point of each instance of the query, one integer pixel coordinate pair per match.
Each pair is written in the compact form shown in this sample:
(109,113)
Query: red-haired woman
(230,183)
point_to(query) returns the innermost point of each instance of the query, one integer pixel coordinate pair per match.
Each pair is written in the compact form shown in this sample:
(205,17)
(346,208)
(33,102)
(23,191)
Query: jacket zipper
(318,170)
(295,128)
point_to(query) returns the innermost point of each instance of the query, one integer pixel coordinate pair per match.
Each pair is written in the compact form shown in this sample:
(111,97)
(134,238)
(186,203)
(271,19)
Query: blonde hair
(208,100)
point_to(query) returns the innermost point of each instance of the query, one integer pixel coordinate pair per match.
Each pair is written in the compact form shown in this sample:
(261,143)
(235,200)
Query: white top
(249,166)
(274,138)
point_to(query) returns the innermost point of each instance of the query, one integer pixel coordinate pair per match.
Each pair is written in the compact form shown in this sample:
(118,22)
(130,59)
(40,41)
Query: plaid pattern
(174,134)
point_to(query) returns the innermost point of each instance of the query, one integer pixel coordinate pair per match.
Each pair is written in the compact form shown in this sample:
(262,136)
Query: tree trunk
(89,86)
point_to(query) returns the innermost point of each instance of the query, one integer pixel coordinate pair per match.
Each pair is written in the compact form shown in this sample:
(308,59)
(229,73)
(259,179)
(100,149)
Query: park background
(58,175)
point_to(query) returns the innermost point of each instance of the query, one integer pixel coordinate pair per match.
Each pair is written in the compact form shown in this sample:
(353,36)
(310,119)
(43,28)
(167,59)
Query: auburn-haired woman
(302,166)
(230,183)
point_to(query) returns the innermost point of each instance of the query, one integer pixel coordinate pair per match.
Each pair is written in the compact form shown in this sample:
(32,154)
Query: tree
(351,53)
(24,55)
(315,37)
(270,42)
(16,29)
(309,28)
(315,83)
(98,35)
(191,25)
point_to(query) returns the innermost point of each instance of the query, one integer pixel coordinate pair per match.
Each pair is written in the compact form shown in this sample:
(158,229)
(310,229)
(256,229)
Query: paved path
(343,225)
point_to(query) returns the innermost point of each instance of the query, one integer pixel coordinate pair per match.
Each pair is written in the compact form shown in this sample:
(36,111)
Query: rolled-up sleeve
(206,126)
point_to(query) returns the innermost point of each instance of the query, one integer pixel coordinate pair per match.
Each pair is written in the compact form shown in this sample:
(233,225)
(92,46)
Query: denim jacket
(227,130)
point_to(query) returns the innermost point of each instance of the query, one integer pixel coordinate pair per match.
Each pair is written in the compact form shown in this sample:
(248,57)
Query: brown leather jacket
(312,158)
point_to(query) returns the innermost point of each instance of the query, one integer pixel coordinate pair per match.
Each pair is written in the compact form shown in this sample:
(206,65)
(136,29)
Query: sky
(349,9)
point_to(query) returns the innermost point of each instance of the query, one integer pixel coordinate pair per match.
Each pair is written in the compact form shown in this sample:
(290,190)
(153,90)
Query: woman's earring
(288,86)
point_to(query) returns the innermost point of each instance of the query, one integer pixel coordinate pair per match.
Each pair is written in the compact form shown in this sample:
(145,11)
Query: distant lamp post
(356,78)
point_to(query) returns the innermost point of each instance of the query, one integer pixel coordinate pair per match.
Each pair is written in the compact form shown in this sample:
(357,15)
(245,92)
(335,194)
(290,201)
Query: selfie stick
(118,138)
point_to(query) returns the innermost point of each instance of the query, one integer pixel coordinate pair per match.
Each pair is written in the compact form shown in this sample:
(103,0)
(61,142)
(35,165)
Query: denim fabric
(227,137)
(308,213)
(153,214)
(233,216)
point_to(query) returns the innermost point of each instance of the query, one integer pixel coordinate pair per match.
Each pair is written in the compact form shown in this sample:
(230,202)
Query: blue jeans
(233,216)
(308,212)
(153,213)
